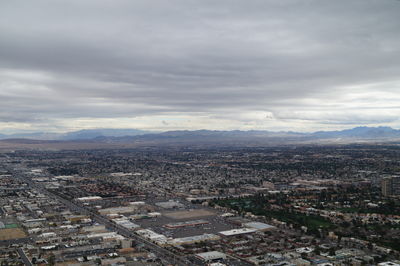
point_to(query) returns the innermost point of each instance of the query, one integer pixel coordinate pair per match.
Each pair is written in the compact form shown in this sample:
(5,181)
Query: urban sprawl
(305,205)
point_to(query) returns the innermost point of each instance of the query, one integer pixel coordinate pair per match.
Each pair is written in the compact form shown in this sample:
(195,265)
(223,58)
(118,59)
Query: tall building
(390,186)
(396,185)
(385,186)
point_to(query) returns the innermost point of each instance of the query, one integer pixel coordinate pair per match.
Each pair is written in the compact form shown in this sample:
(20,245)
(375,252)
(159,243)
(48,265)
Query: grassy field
(11,226)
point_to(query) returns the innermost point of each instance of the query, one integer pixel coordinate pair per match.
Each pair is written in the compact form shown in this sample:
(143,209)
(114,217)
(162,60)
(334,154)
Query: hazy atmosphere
(171,65)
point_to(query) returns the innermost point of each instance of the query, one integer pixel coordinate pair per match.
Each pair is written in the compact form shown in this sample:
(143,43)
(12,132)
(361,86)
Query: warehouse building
(91,198)
(262,227)
(117,210)
(170,205)
(187,223)
(126,223)
(239,231)
(159,239)
(193,239)
(211,256)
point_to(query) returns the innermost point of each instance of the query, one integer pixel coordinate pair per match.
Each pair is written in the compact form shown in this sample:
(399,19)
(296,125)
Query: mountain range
(85,134)
(137,136)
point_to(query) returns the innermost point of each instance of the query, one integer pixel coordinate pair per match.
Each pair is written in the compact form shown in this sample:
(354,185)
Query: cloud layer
(262,64)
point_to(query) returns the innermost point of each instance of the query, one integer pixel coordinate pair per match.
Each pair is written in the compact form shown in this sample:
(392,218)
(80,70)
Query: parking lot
(215,225)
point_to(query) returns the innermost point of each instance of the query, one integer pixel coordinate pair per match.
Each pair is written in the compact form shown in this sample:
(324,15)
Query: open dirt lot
(11,233)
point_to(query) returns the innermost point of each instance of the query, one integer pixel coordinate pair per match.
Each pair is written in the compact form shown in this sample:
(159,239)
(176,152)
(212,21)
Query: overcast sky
(297,65)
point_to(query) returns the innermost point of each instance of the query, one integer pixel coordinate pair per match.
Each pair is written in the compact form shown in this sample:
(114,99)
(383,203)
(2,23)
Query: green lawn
(7,226)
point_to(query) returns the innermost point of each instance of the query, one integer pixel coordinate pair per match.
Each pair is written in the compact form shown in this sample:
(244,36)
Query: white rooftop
(258,226)
(197,238)
(238,231)
(89,198)
(211,255)
(388,263)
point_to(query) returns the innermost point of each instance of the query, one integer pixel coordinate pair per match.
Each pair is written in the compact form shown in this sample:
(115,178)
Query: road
(23,256)
(17,241)
(165,255)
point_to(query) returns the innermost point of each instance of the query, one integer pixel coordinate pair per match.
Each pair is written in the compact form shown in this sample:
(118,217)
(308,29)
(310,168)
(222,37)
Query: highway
(166,256)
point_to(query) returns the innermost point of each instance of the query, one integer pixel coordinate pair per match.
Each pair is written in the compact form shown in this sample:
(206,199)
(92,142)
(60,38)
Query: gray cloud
(266,64)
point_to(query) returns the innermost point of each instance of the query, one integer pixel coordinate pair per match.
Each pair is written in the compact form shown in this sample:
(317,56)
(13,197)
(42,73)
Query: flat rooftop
(239,231)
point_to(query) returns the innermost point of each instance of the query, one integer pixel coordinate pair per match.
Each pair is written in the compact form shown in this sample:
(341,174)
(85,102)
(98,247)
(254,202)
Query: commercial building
(126,223)
(94,228)
(259,226)
(153,236)
(122,209)
(144,215)
(137,203)
(194,239)
(170,204)
(239,231)
(211,256)
(106,236)
(187,223)
(388,263)
(390,186)
(91,198)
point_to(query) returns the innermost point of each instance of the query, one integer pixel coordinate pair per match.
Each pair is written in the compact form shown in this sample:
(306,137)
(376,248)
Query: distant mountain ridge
(213,136)
(260,136)
(85,134)
(361,132)
(105,132)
